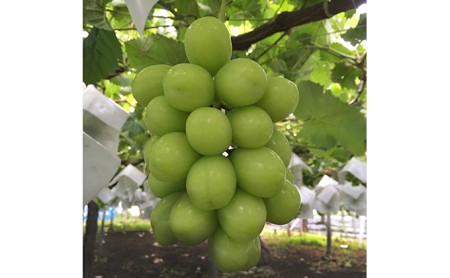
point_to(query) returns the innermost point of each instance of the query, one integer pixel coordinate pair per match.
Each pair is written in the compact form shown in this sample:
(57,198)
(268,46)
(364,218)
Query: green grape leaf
(209,7)
(120,17)
(327,121)
(357,34)
(154,50)
(133,127)
(94,13)
(244,9)
(345,75)
(341,49)
(322,74)
(327,56)
(101,55)
(187,7)
(340,154)
(278,65)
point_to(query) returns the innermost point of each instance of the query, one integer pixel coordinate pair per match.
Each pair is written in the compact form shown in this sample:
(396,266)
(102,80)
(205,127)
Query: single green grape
(240,82)
(171,157)
(251,126)
(161,118)
(211,182)
(188,87)
(280,99)
(208,131)
(259,171)
(207,43)
(148,83)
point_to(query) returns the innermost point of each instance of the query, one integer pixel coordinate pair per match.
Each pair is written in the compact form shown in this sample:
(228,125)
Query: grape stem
(216,104)
(223,9)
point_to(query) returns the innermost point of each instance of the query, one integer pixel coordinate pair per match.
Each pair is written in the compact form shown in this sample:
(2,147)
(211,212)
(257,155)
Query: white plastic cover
(307,198)
(105,195)
(356,167)
(101,132)
(327,196)
(126,183)
(297,165)
(327,181)
(99,166)
(132,173)
(139,10)
(104,108)
(354,198)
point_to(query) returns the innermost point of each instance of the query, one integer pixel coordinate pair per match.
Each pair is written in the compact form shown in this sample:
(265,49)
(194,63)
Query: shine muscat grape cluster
(216,158)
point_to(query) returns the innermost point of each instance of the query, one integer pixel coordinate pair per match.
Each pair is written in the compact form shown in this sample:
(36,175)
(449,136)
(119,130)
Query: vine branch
(361,66)
(286,20)
(223,10)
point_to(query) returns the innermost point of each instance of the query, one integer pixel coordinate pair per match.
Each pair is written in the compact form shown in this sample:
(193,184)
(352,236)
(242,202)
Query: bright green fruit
(171,157)
(240,82)
(251,126)
(230,255)
(148,83)
(161,118)
(244,217)
(159,219)
(161,189)
(284,206)
(207,43)
(189,224)
(211,182)
(188,87)
(280,144)
(260,171)
(147,150)
(208,131)
(289,175)
(280,99)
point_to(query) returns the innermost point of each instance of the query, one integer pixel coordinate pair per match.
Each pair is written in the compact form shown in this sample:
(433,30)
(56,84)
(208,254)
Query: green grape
(161,118)
(244,217)
(159,219)
(148,83)
(259,171)
(208,131)
(280,144)
(251,126)
(211,182)
(230,255)
(172,157)
(280,99)
(161,189)
(208,43)
(147,150)
(205,195)
(188,87)
(189,224)
(240,82)
(289,175)
(284,206)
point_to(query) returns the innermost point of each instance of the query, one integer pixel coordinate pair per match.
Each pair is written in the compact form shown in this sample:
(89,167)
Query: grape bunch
(215,157)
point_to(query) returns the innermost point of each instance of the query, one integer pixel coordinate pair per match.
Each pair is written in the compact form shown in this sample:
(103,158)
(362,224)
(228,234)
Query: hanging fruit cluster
(216,158)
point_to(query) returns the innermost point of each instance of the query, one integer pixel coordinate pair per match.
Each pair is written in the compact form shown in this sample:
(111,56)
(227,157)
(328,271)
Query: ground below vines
(135,254)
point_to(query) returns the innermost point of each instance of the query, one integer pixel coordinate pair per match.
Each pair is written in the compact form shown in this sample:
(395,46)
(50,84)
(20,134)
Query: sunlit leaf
(154,50)
(357,34)
(327,121)
(322,73)
(245,9)
(209,7)
(345,75)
